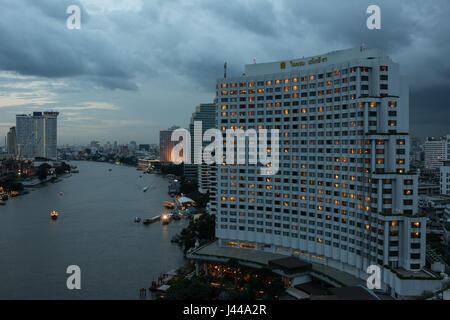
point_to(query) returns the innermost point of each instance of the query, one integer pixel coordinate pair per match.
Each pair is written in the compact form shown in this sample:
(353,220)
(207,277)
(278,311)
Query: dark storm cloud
(35,41)
(413,33)
(165,41)
(254,16)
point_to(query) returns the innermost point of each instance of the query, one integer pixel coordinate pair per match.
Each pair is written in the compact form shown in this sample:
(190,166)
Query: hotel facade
(344,195)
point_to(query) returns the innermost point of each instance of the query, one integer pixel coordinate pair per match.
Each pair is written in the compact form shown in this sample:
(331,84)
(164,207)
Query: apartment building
(36,135)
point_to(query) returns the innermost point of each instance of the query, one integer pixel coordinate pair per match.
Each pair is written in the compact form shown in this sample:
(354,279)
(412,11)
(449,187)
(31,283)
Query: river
(95,231)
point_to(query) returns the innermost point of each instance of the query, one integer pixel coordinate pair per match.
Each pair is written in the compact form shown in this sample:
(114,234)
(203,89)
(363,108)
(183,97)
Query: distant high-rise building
(435,151)
(123,150)
(445,178)
(344,195)
(132,146)
(11,142)
(37,135)
(445,168)
(166,145)
(206,114)
(144,147)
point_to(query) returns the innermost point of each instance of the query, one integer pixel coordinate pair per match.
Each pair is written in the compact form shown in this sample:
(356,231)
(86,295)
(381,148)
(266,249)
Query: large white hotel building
(344,194)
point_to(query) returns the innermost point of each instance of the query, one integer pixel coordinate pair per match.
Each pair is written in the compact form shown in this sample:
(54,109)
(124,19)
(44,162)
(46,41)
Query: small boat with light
(169,205)
(166,218)
(137,219)
(54,215)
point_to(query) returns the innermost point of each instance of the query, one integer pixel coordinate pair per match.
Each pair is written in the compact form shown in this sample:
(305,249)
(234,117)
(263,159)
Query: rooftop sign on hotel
(303,62)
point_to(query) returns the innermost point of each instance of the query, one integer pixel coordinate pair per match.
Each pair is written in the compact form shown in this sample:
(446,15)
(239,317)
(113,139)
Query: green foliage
(62,169)
(194,289)
(11,183)
(175,169)
(188,186)
(42,171)
(202,229)
(128,160)
(201,199)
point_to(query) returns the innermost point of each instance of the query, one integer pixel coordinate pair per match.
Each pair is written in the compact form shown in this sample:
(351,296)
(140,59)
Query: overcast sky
(139,66)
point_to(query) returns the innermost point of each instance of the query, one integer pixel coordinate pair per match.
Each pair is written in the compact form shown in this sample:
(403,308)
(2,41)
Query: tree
(62,169)
(202,229)
(190,289)
(175,169)
(188,186)
(274,290)
(11,183)
(42,171)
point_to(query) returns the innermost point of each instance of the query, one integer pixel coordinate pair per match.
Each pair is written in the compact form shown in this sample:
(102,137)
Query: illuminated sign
(302,63)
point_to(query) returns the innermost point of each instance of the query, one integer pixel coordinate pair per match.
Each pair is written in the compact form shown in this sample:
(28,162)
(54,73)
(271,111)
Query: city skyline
(106,83)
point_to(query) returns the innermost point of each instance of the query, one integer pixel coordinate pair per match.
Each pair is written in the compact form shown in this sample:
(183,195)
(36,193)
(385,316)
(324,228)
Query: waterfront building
(37,135)
(344,195)
(166,145)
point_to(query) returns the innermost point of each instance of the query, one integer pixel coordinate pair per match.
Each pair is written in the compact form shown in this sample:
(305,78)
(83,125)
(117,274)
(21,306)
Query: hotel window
(415,235)
(392,104)
(415,225)
(383,68)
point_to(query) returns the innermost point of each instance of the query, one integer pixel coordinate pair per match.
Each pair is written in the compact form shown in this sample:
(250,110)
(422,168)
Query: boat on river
(169,205)
(166,218)
(54,215)
(152,220)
